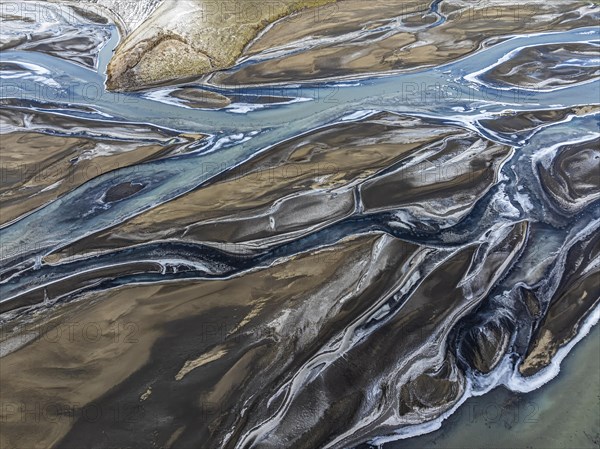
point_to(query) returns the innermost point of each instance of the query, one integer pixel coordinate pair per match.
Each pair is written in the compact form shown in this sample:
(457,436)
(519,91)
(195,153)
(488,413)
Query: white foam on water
(506,374)
(517,382)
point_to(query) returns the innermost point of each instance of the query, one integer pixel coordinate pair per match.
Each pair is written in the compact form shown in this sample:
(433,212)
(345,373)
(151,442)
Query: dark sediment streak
(354,282)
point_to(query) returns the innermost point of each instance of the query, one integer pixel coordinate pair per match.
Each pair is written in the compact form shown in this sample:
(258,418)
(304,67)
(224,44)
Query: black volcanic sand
(395,162)
(544,66)
(196,353)
(45,156)
(413,45)
(335,287)
(271,332)
(564,413)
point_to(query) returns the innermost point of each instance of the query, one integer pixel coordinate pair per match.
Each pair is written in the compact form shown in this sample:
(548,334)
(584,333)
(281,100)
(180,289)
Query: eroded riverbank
(298,265)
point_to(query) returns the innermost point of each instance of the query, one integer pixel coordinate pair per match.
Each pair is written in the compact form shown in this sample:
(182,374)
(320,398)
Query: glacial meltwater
(375,217)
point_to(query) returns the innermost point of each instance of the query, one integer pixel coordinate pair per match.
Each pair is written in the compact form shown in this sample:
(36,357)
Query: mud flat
(563,413)
(235,267)
(291,40)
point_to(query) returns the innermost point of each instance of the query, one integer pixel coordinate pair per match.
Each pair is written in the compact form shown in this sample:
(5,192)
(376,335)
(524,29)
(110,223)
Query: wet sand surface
(39,167)
(402,233)
(355,37)
(564,413)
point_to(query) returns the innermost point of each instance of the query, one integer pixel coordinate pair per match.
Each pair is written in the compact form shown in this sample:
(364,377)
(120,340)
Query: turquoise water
(458,93)
(443,92)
